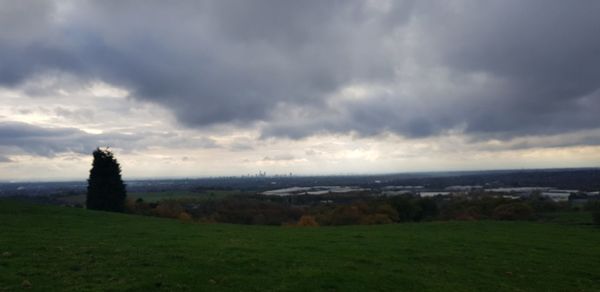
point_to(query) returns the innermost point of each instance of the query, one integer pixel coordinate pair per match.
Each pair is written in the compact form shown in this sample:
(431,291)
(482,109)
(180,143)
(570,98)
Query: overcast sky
(211,88)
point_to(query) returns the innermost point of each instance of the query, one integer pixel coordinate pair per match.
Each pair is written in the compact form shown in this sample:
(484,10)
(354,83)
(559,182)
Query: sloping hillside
(51,248)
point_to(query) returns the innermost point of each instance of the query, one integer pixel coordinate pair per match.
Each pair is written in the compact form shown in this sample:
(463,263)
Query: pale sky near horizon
(213,88)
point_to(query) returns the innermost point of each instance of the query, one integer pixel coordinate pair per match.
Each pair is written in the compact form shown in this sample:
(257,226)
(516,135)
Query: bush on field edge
(513,211)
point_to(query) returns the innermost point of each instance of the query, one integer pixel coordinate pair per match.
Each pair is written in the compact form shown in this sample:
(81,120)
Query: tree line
(106,191)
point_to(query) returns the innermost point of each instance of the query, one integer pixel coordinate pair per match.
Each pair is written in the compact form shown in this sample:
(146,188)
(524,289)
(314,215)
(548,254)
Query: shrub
(253,211)
(388,211)
(376,219)
(463,216)
(460,209)
(168,209)
(184,217)
(138,207)
(405,207)
(259,219)
(596,216)
(594,207)
(513,211)
(346,215)
(544,204)
(428,209)
(307,220)
(372,212)
(130,206)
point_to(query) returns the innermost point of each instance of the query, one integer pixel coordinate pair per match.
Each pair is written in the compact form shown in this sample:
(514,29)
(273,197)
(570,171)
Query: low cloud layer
(23,138)
(18,138)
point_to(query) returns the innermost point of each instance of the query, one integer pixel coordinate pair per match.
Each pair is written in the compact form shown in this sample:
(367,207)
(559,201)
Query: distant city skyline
(219,88)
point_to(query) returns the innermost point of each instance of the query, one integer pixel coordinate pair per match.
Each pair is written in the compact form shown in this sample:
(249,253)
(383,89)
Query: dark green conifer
(106,190)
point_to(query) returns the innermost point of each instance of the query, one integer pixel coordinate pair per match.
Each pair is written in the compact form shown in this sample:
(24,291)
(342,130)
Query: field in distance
(162,195)
(48,248)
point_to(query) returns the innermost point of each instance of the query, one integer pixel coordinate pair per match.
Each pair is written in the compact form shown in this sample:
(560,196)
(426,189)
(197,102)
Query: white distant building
(462,188)
(397,188)
(396,193)
(558,195)
(524,192)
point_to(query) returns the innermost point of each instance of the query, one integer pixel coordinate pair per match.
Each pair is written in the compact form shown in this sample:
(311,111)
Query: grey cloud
(79,115)
(545,52)
(19,138)
(282,157)
(311,152)
(364,118)
(148,138)
(242,62)
(241,146)
(44,141)
(585,138)
(207,143)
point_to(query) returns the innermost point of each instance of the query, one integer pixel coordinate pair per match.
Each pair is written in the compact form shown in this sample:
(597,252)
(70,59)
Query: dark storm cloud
(546,52)
(516,68)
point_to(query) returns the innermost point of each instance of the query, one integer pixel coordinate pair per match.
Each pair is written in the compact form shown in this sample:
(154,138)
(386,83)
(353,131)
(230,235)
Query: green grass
(57,248)
(573,217)
(157,196)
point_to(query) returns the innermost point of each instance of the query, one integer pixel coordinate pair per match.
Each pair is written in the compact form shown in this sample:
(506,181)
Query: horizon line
(142,178)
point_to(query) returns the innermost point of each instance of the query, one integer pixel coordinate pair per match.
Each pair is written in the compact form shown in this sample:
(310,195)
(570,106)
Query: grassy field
(48,248)
(207,194)
(164,195)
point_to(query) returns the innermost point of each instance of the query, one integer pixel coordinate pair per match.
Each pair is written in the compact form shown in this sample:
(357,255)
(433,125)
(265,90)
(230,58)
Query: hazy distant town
(576,186)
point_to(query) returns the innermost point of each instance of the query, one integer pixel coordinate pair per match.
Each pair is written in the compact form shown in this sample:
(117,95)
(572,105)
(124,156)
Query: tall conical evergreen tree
(106,190)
